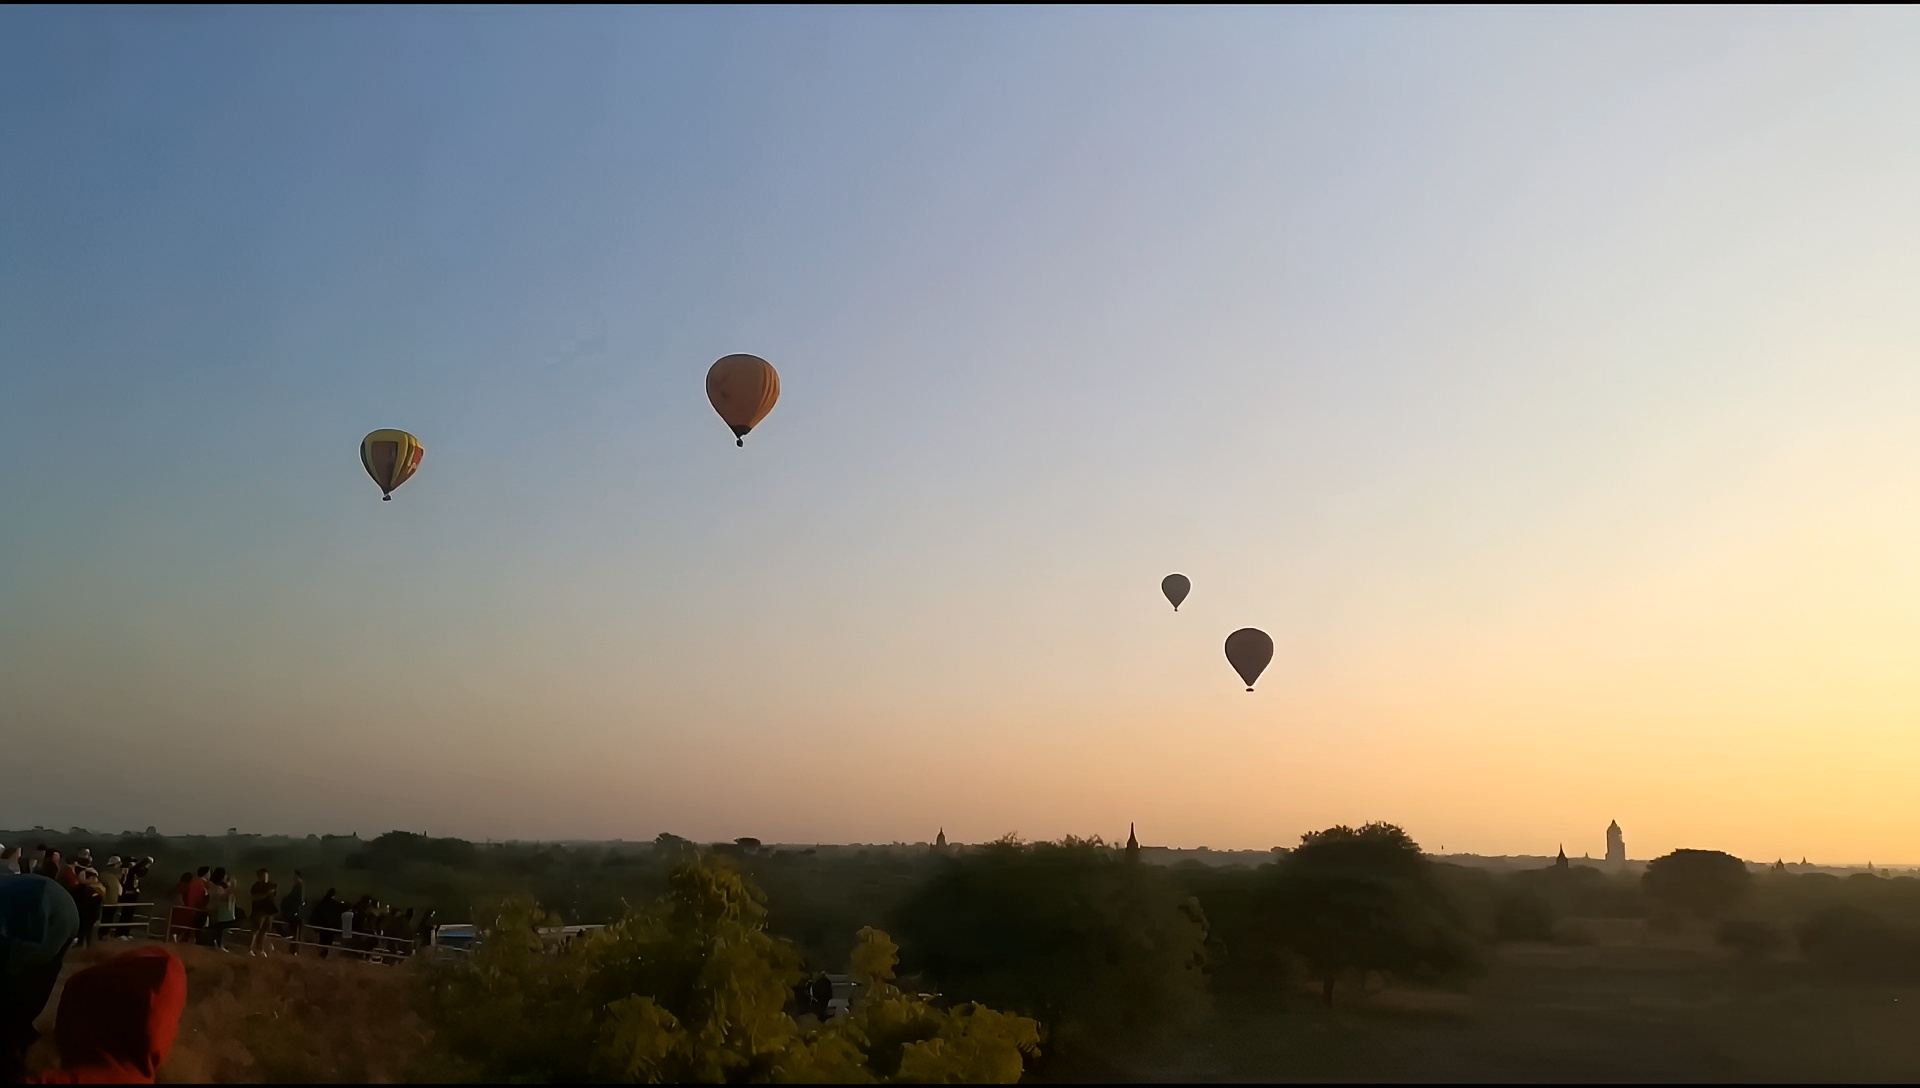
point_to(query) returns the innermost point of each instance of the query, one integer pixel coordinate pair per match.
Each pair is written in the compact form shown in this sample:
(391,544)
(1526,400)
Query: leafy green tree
(696,984)
(1363,900)
(692,989)
(1703,883)
(895,1037)
(1102,952)
(513,1009)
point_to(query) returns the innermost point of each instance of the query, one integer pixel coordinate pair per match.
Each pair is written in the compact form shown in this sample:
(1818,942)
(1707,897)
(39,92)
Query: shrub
(1749,938)
(1523,915)
(1855,943)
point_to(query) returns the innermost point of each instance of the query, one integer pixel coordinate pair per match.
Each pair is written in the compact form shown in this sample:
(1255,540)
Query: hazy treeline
(1101,954)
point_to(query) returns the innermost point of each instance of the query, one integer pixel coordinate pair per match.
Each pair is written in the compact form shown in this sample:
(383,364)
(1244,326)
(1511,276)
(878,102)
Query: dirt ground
(279,1019)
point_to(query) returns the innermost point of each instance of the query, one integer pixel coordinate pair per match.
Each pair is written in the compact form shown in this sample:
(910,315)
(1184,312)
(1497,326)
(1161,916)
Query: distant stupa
(1616,844)
(1561,861)
(1133,845)
(940,840)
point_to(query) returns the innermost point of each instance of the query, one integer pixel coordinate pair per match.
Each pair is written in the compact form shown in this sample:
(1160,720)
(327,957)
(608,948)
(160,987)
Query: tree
(1367,900)
(692,989)
(1068,933)
(892,1036)
(674,848)
(696,987)
(1703,883)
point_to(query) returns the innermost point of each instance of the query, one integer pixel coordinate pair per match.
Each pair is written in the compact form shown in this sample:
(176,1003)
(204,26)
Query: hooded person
(38,922)
(118,1019)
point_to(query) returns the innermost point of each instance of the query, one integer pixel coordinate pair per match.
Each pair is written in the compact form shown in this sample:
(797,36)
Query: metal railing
(174,922)
(124,920)
(369,946)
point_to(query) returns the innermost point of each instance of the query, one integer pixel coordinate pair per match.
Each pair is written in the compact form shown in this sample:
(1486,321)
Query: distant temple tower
(1616,844)
(1561,861)
(940,840)
(1133,845)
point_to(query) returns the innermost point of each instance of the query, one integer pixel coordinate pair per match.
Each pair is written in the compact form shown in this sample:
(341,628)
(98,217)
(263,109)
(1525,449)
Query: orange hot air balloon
(391,458)
(743,389)
(1176,587)
(1249,650)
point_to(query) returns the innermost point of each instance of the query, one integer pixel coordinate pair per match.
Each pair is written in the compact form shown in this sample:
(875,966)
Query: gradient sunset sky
(1546,382)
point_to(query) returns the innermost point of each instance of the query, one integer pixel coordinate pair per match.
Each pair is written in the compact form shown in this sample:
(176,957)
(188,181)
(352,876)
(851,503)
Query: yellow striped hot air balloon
(391,458)
(743,389)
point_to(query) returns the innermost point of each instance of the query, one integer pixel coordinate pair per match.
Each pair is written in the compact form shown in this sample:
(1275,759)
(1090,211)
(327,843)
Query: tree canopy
(692,989)
(1362,900)
(1068,932)
(1703,883)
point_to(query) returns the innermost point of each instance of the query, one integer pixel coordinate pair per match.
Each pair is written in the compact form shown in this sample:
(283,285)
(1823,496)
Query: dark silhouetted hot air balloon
(391,458)
(1249,650)
(1176,587)
(743,389)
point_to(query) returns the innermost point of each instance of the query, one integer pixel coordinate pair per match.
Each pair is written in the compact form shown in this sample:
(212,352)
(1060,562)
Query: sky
(1543,381)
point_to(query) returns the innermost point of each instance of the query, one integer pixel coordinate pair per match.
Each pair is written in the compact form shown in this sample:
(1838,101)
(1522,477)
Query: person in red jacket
(118,1019)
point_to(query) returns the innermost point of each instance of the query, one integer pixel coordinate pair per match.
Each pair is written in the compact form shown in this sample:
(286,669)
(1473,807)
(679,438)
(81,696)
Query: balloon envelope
(1249,650)
(1176,587)
(391,457)
(743,389)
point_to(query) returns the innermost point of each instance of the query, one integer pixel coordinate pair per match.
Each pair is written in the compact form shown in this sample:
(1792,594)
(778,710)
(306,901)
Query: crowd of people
(208,902)
(118,1017)
(97,891)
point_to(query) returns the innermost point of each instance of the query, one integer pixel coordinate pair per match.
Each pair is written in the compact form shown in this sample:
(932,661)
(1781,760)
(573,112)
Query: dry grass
(1666,1009)
(290,1019)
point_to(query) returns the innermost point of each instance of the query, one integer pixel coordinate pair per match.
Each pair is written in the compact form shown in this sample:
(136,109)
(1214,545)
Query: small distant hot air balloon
(1176,587)
(1249,650)
(743,389)
(391,458)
